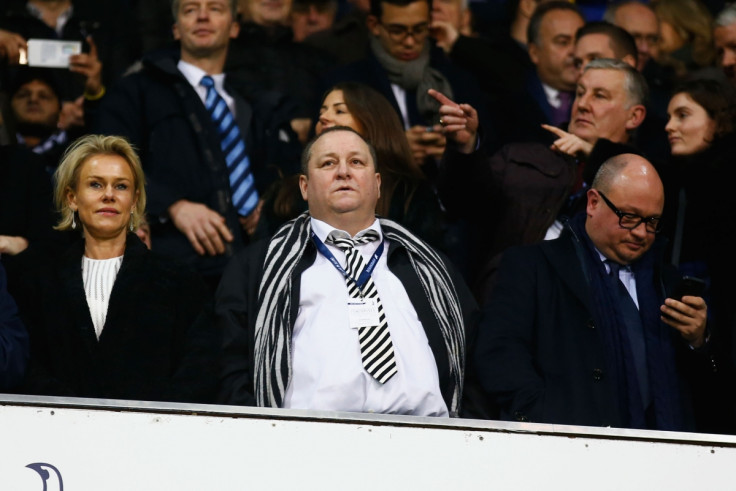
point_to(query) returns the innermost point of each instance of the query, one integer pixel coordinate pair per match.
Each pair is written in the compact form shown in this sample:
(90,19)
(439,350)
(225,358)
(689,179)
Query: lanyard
(364,275)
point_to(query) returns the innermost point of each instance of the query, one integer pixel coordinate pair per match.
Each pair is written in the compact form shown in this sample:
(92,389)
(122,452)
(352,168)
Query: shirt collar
(194,75)
(322,229)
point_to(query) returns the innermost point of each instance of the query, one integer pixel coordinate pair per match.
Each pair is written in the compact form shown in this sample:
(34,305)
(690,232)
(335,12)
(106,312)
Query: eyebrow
(114,178)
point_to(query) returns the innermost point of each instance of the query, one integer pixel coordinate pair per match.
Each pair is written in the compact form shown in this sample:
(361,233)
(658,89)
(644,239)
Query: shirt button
(597,374)
(590,324)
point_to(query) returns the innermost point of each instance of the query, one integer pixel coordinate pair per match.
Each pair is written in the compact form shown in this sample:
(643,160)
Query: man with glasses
(402,65)
(580,330)
(521,194)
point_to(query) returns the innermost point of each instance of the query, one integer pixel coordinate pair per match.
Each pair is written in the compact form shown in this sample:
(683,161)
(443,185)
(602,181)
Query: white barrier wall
(115,445)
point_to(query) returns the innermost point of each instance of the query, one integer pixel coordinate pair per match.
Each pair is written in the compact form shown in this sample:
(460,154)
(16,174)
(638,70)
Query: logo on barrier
(43,470)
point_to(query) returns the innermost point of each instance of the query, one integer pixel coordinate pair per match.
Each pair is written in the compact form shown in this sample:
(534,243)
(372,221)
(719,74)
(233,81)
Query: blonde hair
(67,174)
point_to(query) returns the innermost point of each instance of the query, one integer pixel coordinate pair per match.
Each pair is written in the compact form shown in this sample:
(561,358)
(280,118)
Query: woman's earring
(131,221)
(74,223)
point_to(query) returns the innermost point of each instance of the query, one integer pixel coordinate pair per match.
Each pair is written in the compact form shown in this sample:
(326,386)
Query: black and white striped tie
(376,348)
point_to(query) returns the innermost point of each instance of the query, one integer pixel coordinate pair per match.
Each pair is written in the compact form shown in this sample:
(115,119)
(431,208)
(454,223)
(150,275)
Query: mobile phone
(688,286)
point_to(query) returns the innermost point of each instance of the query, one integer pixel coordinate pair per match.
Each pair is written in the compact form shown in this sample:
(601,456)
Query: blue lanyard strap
(364,275)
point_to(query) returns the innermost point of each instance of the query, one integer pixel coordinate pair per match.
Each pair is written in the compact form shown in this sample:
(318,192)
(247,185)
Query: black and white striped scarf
(274,326)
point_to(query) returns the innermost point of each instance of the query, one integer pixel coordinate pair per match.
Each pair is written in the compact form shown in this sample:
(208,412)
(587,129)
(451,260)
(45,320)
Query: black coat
(161,114)
(157,344)
(237,306)
(25,206)
(540,351)
(512,197)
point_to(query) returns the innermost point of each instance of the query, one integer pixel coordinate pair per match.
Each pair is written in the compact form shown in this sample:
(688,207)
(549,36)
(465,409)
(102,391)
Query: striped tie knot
(207,81)
(344,242)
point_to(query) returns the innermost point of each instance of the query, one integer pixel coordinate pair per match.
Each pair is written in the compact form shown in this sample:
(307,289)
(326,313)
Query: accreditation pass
(363,312)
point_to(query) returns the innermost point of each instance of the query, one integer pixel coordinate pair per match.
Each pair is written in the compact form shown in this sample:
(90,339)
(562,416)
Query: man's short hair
(175,8)
(535,23)
(307,153)
(727,16)
(637,91)
(377,7)
(622,43)
(610,14)
(608,171)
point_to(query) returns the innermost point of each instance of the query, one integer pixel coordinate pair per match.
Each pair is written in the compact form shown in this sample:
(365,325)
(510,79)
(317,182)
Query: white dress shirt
(327,371)
(626,275)
(194,75)
(552,95)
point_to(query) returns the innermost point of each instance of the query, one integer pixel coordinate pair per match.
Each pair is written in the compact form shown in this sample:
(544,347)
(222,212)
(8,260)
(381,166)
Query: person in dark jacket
(107,318)
(294,335)
(580,330)
(13,340)
(700,216)
(209,153)
(523,193)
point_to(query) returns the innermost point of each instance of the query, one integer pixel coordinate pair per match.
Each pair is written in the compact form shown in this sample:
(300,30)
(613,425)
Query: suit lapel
(76,298)
(566,263)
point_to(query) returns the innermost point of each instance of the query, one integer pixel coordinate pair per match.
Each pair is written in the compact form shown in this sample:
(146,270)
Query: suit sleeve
(467,182)
(196,342)
(234,308)
(504,356)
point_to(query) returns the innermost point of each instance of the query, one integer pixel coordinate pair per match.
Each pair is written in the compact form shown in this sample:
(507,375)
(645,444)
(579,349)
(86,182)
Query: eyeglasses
(399,32)
(630,221)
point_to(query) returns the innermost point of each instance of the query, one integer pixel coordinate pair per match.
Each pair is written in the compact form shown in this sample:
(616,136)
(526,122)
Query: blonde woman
(108,318)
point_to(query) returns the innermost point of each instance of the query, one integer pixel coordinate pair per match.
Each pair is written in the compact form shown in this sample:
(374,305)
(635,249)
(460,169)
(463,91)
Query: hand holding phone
(688,286)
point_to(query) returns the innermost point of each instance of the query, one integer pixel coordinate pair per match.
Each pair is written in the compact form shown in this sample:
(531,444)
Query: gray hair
(637,91)
(727,16)
(175,8)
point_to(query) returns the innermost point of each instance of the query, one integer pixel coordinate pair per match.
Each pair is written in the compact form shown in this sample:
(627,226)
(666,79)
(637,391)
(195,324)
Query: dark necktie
(561,114)
(376,348)
(634,329)
(242,183)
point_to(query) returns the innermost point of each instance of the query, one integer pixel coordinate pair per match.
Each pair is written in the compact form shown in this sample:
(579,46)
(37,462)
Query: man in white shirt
(312,323)
(208,153)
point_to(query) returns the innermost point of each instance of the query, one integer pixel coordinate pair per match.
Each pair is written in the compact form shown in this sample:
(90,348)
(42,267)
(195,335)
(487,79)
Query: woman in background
(406,196)
(108,318)
(686,36)
(700,218)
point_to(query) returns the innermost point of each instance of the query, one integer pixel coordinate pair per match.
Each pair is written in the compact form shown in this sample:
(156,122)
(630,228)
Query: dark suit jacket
(539,350)
(157,343)
(159,112)
(237,305)
(512,197)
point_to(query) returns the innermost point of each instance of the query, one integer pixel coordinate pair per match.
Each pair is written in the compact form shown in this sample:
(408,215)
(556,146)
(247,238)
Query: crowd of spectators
(174,137)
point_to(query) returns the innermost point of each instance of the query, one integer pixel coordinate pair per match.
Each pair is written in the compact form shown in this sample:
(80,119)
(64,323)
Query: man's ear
(234,29)
(303,185)
(593,202)
(533,53)
(378,183)
(372,23)
(175,31)
(629,60)
(636,117)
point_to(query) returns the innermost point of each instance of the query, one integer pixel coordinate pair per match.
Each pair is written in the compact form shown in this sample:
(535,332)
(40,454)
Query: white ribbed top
(99,277)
